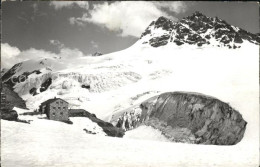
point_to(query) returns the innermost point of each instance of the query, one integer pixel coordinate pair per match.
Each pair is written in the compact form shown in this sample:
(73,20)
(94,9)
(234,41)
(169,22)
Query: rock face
(97,54)
(196,29)
(194,118)
(3,71)
(12,97)
(10,115)
(45,85)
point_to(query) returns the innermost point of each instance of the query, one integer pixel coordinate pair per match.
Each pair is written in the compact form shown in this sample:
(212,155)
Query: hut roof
(51,100)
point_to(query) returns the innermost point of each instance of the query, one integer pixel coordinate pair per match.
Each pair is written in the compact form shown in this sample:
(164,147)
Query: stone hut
(55,109)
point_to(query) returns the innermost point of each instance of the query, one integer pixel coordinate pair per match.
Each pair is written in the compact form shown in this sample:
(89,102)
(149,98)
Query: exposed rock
(147,30)
(178,42)
(164,23)
(12,97)
(7,75)
(196,29)
(10,115)
(194,118)
(238,39)
(97,54)
(45,85)
(3,71)
(159,41)
(89,132)
(33,91)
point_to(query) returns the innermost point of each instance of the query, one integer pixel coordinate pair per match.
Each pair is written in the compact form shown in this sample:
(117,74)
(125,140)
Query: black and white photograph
(130,84)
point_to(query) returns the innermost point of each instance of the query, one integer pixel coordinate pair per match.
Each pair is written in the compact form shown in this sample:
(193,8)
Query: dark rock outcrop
(194,118)
(3,71)
(12,98)
(97,54)
(10,115)
(45,84)
(159,41)
(7,75)
(33,91)
(107,127)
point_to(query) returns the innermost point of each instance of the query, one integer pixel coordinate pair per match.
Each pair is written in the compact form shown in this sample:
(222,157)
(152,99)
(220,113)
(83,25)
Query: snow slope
(40,122)
(61,145)
(229,75)
(145,133)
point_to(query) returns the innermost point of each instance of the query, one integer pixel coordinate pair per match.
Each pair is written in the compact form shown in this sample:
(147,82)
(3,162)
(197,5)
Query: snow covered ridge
(137,69)
(198,30)
(35,76)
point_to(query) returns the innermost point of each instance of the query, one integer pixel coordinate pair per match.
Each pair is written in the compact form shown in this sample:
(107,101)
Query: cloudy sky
(70,29)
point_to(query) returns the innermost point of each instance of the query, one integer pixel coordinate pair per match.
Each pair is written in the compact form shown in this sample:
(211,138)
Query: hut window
(64,108)
(54,108)
(59,108)
(61,113)
(53,114)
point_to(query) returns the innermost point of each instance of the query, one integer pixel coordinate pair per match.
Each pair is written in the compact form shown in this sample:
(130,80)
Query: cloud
(79,21)
(11,55)
(128,18)
(57,43)
(32,52)
(176,7)
(66,52)
(94,44)
(8,53)
(69,4)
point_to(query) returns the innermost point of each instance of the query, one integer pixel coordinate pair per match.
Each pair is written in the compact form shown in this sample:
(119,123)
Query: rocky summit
(194,118)
(97,54)
(196,29)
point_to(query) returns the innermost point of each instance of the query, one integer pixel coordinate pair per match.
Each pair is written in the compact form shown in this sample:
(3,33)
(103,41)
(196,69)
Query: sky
(81,28)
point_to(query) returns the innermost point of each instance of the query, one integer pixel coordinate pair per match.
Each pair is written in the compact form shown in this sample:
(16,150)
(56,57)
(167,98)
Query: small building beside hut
(55,109)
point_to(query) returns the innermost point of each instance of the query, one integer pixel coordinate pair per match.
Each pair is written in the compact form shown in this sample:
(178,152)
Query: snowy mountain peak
(161,21)
(197,13)
(196,29)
